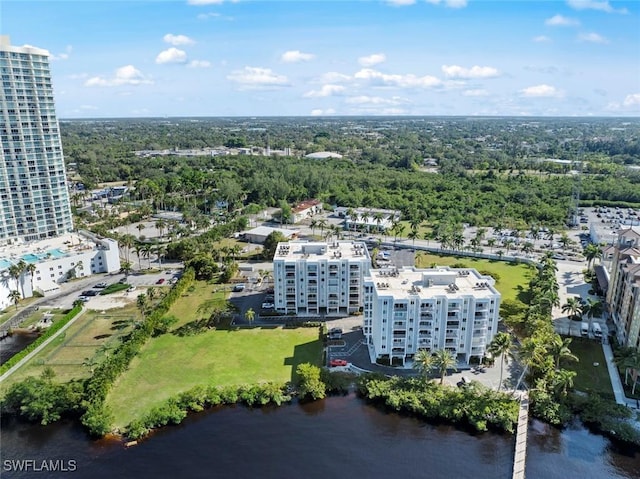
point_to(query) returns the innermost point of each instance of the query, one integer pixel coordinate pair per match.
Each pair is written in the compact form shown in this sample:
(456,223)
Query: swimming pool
(31,258)
(56,253)
(4,264)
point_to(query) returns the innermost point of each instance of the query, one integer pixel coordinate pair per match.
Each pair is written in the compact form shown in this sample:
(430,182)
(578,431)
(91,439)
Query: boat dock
(520,456)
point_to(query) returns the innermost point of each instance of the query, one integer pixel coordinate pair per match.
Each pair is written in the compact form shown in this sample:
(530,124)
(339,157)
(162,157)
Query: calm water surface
(338,437)
(14,344)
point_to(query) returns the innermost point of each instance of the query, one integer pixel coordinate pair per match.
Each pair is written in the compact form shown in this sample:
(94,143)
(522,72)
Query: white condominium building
(318,278)
(34,200)
(623,295)
(410,309)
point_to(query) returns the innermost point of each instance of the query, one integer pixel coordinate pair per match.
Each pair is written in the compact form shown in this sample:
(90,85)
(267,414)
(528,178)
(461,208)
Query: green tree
(15,297)
(444,360)
(573,307)
(250,315)
(592,252)
(500,346)
(424,363)
(559,350)
(271,243)
(309,383)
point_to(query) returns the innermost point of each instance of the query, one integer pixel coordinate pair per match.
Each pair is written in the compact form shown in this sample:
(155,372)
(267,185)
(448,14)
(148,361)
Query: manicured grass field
(170,364)
(589,377)
(513,277)
(75,351)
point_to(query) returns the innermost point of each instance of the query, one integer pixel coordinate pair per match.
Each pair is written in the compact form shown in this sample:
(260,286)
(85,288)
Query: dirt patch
(113,301)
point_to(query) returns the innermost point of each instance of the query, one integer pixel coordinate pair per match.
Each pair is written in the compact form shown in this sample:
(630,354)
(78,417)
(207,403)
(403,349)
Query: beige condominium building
(443,308)
(623,295)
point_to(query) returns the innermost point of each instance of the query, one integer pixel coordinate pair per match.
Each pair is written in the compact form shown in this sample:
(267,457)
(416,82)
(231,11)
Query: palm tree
(423,362)
(15,296)
(31,269)
(379,218)
(14,272)
(629,358)
(527,247)
(397,231)
(125,267)
(444,360)
(491,242)
(250,315)
(322,224)
(142,302)
(592,308)
(313,225)
(140,227)
(564,241)
(573,306)
(500,346)
(559,349)
(413,234)
(592,252)
(563,380)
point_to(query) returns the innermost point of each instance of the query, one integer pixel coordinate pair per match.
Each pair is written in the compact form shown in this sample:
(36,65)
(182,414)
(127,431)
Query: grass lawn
(83,345)
(513,277)
(186,309)
(589,377)
(170,364)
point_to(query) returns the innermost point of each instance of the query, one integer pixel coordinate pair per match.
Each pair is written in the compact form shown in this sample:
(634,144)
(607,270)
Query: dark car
(160,281)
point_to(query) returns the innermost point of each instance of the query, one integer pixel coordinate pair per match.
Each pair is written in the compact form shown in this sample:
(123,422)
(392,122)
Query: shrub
(114,288)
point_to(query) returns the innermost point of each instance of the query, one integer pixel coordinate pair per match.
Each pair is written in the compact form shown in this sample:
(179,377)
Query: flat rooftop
(426,283)
(295,250)
(68,244)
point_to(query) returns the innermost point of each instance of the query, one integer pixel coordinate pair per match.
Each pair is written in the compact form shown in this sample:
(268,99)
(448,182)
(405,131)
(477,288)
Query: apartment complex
(317,278)
(623,294)
(410,309)
(34,200)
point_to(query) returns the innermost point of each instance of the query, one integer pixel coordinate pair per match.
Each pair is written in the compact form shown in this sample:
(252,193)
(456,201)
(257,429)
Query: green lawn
(170,364)
(513,277)
(186,309)
(590,377)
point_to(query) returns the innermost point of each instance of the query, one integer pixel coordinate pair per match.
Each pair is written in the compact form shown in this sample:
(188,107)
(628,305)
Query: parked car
(84,299)
(335,333)
(101,285)
(160,281)
(238,287)
(337,362)
(268,305)
(90,292)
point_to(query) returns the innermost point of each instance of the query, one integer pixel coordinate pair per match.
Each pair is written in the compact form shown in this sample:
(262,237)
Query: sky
(161,58)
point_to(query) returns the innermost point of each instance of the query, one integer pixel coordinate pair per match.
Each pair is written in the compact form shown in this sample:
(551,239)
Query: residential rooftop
(427,283)
(295,250)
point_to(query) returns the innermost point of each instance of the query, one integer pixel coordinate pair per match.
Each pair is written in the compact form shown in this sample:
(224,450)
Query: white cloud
(476,92)
(206,16)
(171,55)
(456,71)
(326,90)
(400,3)
(126,75)
(541,91)
(334,77)
(62,56)
(632,100)
(295,56)
(449,3)
(177,40)
(541,39)
(320,112)
(602,6)
(592,38)
(257,77)
(371,60)
(205,2)
(375,100)
(199,64)
(403,81)
(561,21)
(88,107)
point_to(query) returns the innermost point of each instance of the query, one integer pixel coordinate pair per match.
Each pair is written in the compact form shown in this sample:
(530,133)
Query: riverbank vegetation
(472,404)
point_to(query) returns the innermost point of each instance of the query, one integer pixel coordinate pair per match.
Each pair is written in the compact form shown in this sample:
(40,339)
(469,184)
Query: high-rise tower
(34,199)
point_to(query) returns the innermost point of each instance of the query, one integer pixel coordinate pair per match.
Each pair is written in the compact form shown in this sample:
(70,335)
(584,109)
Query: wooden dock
(520,456)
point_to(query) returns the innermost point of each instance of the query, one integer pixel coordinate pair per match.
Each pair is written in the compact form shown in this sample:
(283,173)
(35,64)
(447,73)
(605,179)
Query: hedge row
(51,330)
(96,418)
(175,409)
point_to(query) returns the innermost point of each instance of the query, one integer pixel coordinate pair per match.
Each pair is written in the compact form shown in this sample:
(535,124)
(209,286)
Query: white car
(268,305)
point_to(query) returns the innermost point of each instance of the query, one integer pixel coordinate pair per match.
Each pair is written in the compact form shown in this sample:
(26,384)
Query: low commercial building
(410,309)
(306,209)
(368,219)
(318,278)
(259,235)
(42,266)
(623,295)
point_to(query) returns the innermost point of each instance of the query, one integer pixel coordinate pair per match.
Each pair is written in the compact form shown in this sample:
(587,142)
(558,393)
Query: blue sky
(398,57)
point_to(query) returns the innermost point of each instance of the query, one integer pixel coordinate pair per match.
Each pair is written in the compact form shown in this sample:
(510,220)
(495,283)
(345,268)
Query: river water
(15,343)
(337,437)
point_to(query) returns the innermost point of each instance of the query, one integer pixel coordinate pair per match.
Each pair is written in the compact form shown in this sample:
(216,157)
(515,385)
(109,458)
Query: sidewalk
(616,383)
